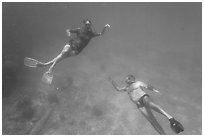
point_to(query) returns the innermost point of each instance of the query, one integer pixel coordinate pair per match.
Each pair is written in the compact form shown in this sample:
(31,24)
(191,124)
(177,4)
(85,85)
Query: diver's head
(130,79)
(87,23)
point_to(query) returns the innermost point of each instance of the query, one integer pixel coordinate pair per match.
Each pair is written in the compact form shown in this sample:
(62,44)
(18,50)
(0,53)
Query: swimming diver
(136,92)
(74,47)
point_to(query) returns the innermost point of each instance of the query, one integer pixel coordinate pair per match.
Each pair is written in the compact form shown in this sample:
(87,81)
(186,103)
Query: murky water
(160,43)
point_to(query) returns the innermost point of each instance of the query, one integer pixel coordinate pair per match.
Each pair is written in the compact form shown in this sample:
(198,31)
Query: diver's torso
(135,91)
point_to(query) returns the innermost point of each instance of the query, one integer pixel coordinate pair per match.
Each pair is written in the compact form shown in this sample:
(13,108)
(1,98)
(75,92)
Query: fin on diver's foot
(30,62)
(176,126)
(47,77)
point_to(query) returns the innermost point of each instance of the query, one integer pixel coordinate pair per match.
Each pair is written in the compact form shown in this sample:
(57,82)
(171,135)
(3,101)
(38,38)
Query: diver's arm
(116,86)
(102,32)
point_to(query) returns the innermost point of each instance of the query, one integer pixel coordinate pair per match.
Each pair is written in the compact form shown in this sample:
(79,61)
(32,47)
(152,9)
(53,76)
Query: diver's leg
(36,63)
(150,117)
(44,64)
(175,125)
(66,52)
(149,102)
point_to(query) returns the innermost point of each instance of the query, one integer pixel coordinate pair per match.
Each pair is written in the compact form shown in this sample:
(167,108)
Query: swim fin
(47,77)
(30,62)
(176,126)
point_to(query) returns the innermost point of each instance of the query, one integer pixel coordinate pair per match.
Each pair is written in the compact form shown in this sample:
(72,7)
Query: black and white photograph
(101,68)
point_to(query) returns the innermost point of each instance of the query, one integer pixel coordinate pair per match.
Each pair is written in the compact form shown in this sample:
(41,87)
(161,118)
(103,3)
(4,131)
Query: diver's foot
(47,77)
(176,126)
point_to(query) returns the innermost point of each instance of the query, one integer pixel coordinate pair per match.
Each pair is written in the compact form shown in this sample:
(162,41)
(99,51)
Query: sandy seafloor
(160,43)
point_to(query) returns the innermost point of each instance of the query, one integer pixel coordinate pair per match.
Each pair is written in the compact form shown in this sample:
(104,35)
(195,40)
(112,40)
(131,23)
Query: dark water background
(160,43)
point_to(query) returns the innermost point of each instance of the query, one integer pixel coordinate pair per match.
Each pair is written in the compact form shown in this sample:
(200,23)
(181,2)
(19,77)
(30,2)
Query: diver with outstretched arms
(137,94)
(73,48)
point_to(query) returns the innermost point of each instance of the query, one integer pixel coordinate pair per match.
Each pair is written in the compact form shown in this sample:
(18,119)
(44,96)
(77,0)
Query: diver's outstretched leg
(30,62)
(146,111)
(156,107)
(66,52)
(174,124)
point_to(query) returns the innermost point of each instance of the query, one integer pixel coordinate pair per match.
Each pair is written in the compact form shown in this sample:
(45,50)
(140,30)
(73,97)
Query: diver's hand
(107,26)
(111,81)
(104,29)
(68,33)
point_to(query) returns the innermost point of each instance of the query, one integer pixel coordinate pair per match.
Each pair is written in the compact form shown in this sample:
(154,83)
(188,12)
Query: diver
(74,46)
(136,92)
